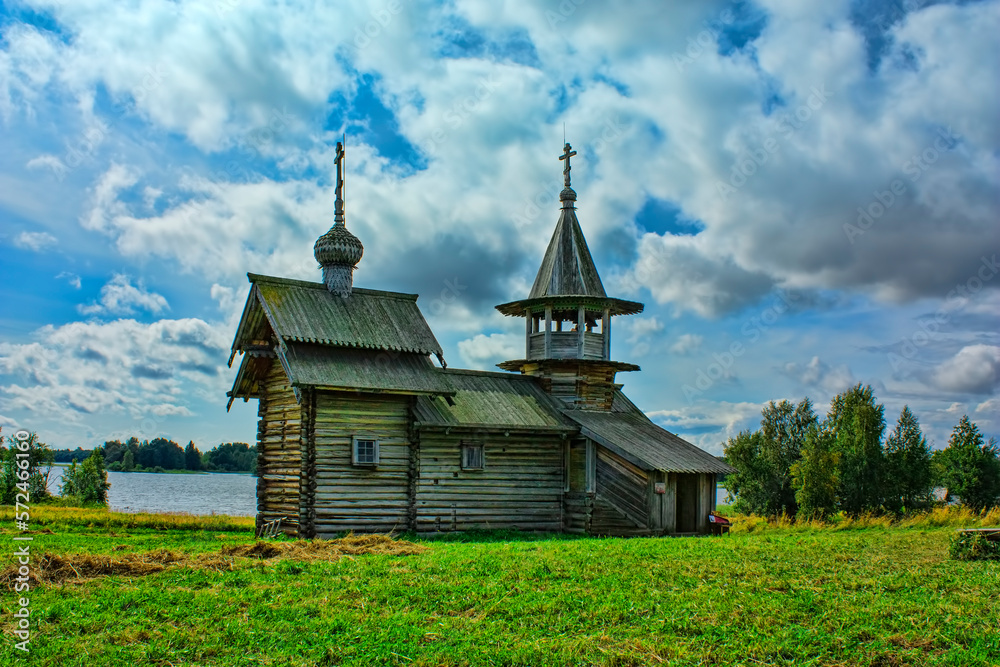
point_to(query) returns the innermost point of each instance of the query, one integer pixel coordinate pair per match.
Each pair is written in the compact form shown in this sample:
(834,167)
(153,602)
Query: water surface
(212,493)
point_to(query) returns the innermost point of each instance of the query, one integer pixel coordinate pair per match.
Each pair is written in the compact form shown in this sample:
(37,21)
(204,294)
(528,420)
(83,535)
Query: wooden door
(687,503)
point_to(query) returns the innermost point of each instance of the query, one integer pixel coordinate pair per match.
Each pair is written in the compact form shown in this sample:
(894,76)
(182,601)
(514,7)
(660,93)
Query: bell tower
(567,334)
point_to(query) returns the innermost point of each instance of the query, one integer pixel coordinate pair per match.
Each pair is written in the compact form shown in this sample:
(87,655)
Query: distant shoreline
(173,472)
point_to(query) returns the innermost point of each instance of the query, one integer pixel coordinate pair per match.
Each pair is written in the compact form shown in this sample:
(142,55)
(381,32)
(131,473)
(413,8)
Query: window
(472,457)
(365,452)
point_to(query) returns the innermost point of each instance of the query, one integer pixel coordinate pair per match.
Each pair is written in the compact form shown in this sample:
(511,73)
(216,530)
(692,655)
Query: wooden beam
(606,332)
(581,328)
(548,331)
(528,320)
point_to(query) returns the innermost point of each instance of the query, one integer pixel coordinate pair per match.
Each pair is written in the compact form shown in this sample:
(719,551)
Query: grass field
(858,593)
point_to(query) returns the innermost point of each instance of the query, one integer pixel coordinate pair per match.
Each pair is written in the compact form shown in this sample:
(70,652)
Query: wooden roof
(567,267)
(568,277)
(492,401)
(629,433)
(306,312)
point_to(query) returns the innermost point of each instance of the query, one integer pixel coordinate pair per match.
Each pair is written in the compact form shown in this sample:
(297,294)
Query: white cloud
(71,278)
(975,369)
(817,374)
(709,424)
(47,161)
(484,352)
(686,344)
(36,241)
(120,297)
(93,373)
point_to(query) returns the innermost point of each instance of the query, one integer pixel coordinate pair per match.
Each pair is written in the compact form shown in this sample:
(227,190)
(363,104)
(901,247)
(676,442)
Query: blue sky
(805,195)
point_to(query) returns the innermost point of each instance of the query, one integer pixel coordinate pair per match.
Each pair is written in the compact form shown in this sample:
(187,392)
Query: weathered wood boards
(279,455)
(528,481)
(519,487)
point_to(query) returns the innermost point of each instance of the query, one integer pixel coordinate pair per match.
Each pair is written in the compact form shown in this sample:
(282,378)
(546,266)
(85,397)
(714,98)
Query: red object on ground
(719,524)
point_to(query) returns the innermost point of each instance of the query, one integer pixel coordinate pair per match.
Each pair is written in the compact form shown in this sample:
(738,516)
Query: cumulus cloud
(975,369)
(820,375)
(81,370)
(484,352)
(686,344)
(490,103)
(708,424)
(35,241)
(120,297)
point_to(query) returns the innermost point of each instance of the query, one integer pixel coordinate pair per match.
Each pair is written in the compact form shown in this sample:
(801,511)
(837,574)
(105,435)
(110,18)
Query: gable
(305,312)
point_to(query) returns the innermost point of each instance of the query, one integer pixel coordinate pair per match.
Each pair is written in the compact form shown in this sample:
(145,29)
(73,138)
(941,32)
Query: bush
(87,482)
(974,546)
(20,473)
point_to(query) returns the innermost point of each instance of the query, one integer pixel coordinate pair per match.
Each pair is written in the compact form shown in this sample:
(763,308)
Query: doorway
(687,503)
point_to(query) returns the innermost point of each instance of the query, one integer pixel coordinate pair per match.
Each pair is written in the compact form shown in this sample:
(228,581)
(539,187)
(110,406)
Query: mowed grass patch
(866,596)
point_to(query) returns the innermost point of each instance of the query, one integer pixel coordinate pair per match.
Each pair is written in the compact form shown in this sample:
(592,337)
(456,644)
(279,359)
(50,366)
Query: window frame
(466,446)
(355,461)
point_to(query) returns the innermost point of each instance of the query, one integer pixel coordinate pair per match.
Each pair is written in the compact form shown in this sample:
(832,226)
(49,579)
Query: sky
(805,195)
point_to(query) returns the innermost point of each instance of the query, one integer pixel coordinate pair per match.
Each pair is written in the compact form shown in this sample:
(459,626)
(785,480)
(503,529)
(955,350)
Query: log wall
(279,452)
(361,499)
(621,504)
(577,510)
(520,486)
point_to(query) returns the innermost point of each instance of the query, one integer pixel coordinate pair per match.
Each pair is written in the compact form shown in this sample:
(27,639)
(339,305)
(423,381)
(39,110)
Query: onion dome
(338,246)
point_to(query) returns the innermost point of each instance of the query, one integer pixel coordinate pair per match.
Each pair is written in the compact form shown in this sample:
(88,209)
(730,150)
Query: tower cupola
(568,315)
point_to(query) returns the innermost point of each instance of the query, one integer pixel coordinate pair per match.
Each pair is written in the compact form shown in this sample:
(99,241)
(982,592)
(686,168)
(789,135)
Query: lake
(212,493)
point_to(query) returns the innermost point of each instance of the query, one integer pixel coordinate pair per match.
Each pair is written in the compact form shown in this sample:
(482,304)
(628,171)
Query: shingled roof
(567,276)
(567,267)
(629,433)
(307,312)
(491,401)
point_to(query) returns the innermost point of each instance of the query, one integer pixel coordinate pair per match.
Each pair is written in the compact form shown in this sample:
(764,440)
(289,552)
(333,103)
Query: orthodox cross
(339,205)
(568,152)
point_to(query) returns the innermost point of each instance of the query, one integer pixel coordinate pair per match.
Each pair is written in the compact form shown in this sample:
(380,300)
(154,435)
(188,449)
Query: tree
(763,459)
(815,476)
(32,470)
(908,476)
(857,423)
(751,483)
(88,482)
(968,468)
(128,461)
(785,427)
(192,457)
(232,457)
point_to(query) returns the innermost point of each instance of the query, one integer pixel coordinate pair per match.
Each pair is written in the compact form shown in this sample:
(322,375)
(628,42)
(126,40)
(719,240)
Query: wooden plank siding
(361,499)
(279,454)
(566,345)
(578,507)
(520,485)
(621,502)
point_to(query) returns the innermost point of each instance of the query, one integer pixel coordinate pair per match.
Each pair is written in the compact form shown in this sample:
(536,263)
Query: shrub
(89,481)
(974,546)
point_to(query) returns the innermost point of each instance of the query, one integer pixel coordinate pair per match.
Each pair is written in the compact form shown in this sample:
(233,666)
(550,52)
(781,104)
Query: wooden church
(360,431)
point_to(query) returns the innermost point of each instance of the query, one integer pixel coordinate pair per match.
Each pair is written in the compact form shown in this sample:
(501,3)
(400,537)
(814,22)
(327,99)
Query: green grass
(860,594)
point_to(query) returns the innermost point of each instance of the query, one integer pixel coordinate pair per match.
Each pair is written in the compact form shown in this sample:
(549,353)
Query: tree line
(86,478)
(160,454)
(800,465)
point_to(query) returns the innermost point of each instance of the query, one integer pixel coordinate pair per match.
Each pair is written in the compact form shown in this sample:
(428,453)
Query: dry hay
(55,569)
(352,545)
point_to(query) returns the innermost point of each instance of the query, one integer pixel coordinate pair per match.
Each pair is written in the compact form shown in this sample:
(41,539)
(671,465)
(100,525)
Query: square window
(472,457)
(365,452)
